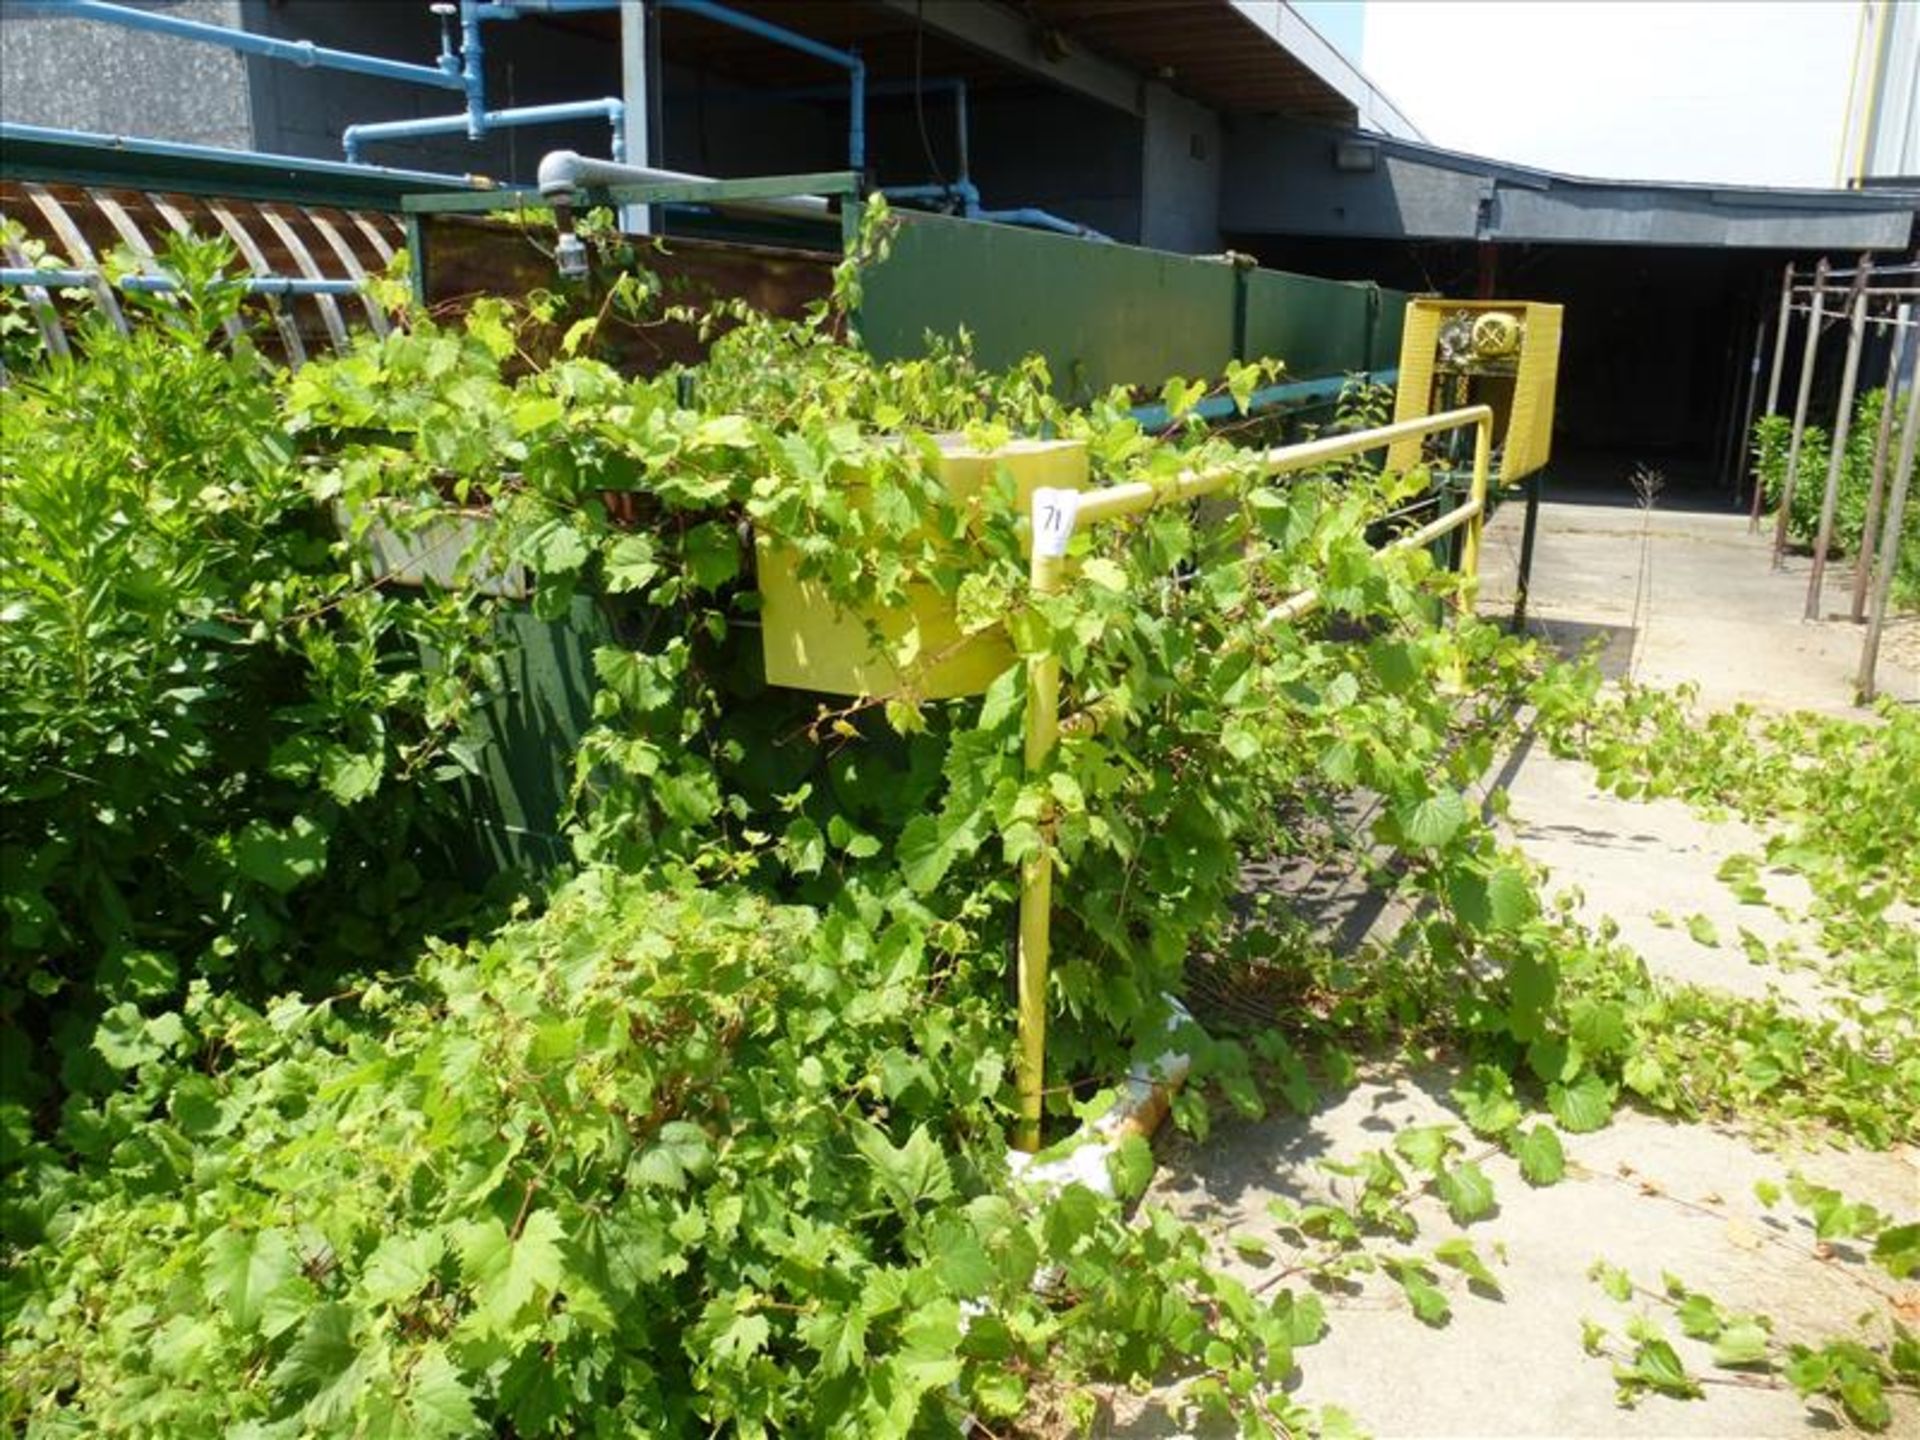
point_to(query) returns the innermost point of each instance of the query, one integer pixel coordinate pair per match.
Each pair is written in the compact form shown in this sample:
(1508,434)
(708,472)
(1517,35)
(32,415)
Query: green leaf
(1703,931)
(1468,1193)
(1428,1301)
(1130,1163)
(928,847)
(323,1360)
(733,432)
(1002,697)
(1742,1343)
(632,563)
(1532,981)
(911,1173)
(1485,1098)
(1586,1104)
(1510,898)
(243,1268)
(1460,1254)
(437,1402)
(281,859)
(400,1265)
(348,777)
(555,548)
(1897,1250)
(1600,1026)
(1542,1161)
(1656,1365)
(1425,1147)
(679,1152)
(712,552)
(1097,570)
(840,1335)
(1434,821)
(509,1275)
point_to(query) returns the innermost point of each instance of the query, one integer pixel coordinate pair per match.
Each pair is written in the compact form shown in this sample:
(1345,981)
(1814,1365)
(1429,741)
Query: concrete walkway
(1676,596)
(1692,596)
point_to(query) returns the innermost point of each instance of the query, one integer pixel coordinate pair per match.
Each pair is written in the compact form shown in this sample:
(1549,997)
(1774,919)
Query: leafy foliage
(219,749)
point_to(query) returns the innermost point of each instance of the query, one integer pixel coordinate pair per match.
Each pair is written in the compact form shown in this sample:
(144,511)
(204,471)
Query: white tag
(1054,515)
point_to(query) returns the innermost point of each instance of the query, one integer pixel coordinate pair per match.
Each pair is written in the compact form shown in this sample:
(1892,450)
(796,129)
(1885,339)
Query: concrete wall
(1181,158)
(82,76)
(302,112)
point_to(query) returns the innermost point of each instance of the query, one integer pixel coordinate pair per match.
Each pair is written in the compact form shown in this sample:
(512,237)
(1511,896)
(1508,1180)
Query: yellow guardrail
(1057,515)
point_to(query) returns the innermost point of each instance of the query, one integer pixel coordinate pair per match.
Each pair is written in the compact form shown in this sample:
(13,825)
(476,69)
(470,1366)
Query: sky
(1731,91)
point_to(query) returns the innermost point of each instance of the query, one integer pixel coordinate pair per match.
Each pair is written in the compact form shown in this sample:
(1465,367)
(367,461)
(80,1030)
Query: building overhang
(1286,177)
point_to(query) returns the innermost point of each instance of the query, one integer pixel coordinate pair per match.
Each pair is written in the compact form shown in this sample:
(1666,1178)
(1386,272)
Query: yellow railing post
(1477,502)
(1053,525)
(1055,516)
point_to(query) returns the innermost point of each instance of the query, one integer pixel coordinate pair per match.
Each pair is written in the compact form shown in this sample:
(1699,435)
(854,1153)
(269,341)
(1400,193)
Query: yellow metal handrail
(1056,516)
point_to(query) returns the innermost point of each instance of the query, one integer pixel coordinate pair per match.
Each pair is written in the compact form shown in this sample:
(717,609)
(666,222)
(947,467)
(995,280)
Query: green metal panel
(1101,314)
(1115,314)
(529,734)
(1317,327)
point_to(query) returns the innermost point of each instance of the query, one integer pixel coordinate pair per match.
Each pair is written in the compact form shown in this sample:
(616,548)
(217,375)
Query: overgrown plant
(219,752)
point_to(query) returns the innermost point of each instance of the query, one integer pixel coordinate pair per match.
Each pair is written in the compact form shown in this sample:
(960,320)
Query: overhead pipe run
(180,150)
(65,279)
(355,137)
(564,174)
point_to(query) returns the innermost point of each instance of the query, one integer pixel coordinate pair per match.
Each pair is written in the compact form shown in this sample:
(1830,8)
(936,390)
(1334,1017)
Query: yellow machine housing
(1502,353)
(811,643)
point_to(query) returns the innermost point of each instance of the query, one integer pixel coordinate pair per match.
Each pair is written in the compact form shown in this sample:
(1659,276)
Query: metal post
(1780,339)
(1800,410)
(1036,876)
(1842,423)
(1876,488)
(1889,548)
(1744,430)
(1773,380)
(1527,534)
(635,219)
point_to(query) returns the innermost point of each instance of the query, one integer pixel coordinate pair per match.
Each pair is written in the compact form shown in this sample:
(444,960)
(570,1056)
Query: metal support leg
(1528,532)
(1800,411)
(1842,424)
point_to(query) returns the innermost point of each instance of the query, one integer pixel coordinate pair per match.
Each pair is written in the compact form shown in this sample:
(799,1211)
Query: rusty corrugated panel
(468,256)
(80,225)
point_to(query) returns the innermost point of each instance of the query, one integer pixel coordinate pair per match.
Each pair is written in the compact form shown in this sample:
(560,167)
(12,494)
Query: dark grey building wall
(78,75)
(1076,158)
(1181,162)
(1280,178)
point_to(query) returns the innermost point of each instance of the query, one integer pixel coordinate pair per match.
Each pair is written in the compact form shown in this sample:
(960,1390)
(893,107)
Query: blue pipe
(159,284)
(612,111)
(473,74)
(303,53)
(178,150)
(520,9)
(1269,397)
(1041,220)
(855,67)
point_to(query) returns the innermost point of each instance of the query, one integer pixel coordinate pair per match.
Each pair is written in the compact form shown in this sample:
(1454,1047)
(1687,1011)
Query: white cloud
(1749,93)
